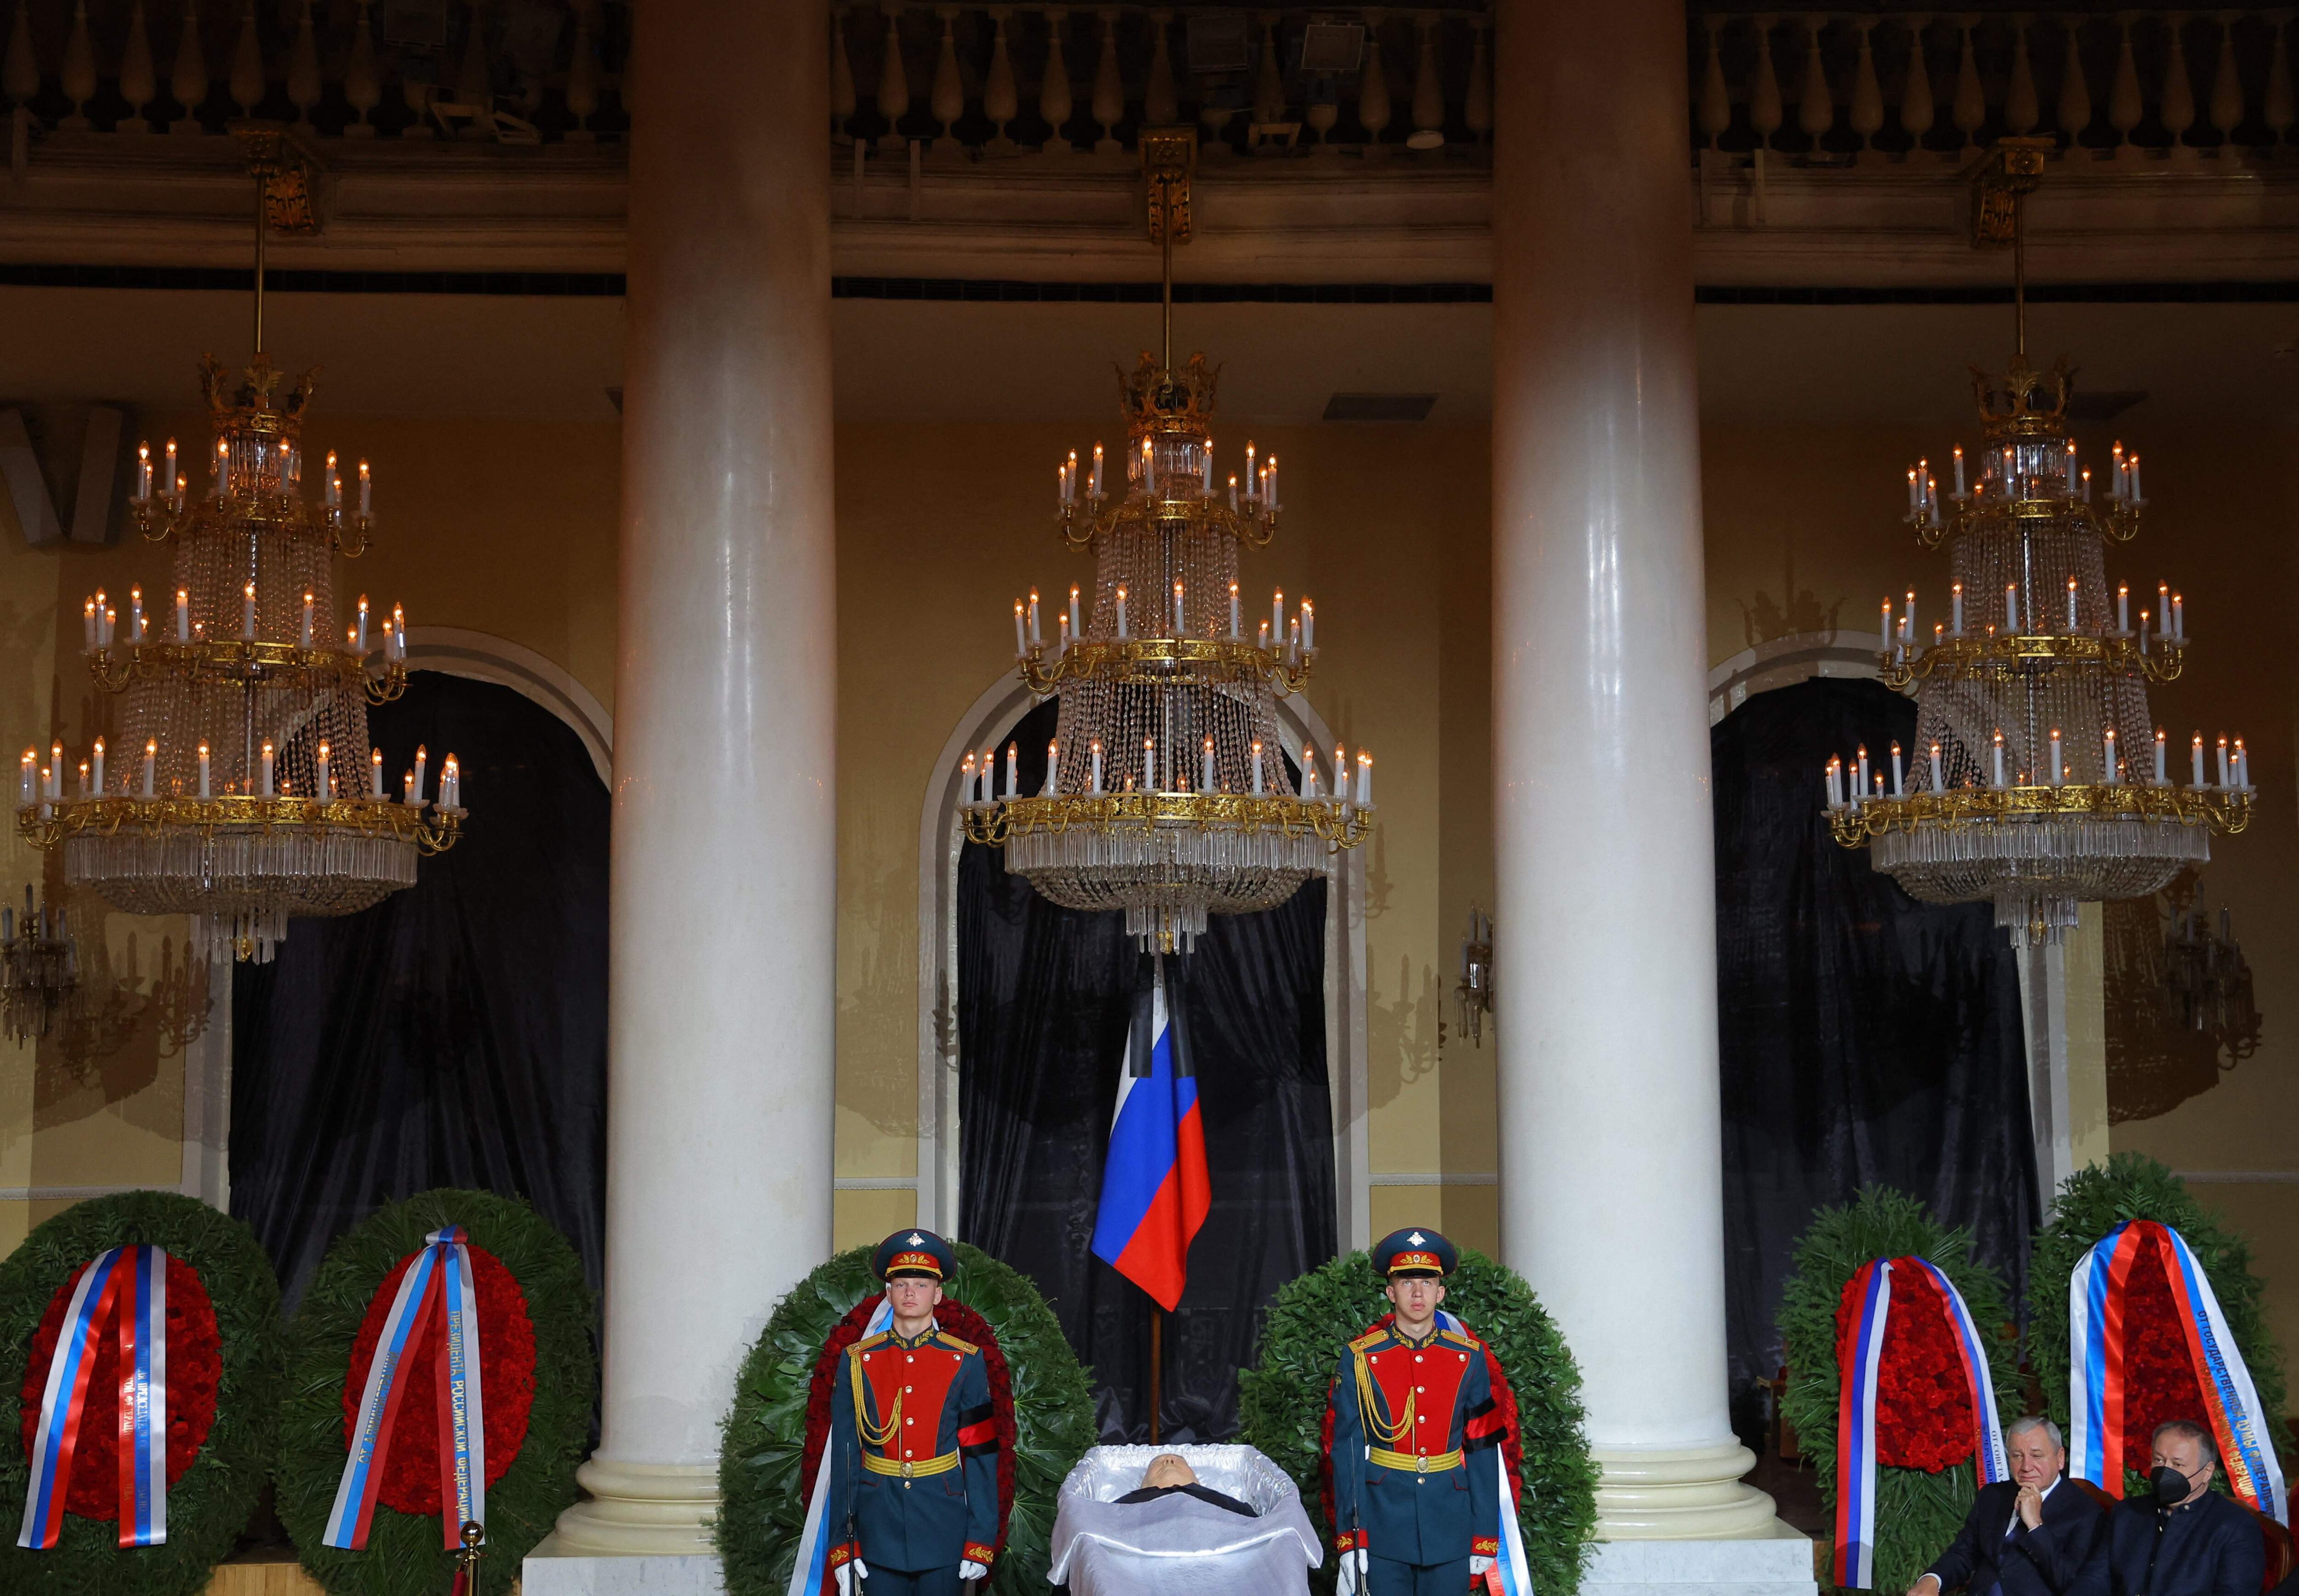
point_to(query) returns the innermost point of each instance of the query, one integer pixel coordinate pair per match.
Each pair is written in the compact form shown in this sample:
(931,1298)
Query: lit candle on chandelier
(2164,610)
(172,486)
(1908,619)
(1959,471)
(1206,476)
(183,616)
(247,613)
(143,473)
(1077,630)
(1093,488)
(1998,771)
(1149,462)
(1236,625)
(83,778)
(2052,778)
(1294,639)
(2137,496)
(1913,504)
(98,758)
(1121,614)
(1277,614)
(2109,773)
(1180,629)
(1897,789)
(1021,643)
(203,764)
(105,616)
(1862,785)
(1269,489)
(331,490)
(1036,636)
(1093,785)
(2195,755)
(1955,607)
(134,614)
(26,794)
(450,784)
(1232,493)
(1365,779)
(1309,627)
(1309,770)
(2071,606)
(422,753)
(2223,761)
(1262,641)
(306,641)
(366,493)
(2123,607)
(1150,782)
(1013,770)
(2117,487)
(2178,619)
(2011,607)
(396,644)
(1206,768)
(1062,638)
(1250,475)
(2071,475)
(222,467)
(1833,779)
(88,622)
(2087,485)
(2242,763)
(1341,773)
(151,764)
(2142,632)
(1884,628)
(375,761)
(2163,772)
(264,790)
(359,636)
(1940,778)
(324,780)
(1257,771)
(1053,767)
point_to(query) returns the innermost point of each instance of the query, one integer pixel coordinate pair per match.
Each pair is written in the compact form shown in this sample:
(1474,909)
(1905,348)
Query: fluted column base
(642,1509)
(1689,1493)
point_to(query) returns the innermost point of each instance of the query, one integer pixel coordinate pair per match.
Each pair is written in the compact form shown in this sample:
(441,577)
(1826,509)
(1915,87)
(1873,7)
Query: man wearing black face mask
(2185,1539)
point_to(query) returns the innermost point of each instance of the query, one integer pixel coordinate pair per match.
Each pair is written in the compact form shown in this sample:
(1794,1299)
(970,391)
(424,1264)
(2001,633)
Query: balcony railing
(1408,85)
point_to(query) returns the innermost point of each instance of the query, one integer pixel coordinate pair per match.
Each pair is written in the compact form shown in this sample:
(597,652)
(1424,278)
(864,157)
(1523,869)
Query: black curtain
(1866,1036)
(1046,996)
(456,1033)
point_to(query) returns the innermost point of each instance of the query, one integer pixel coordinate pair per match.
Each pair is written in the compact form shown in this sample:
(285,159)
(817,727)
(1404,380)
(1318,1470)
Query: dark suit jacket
(2044,1561)
(1205,1493)
(2212,1546)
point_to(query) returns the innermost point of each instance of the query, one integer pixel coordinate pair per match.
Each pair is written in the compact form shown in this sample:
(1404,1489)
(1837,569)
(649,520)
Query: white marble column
(1611,1195)
(720,973)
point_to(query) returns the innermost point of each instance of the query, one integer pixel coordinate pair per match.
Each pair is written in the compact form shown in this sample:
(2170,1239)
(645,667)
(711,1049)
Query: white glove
(850,1574)
(1351,1579)
(1477,1567)
(971,1570)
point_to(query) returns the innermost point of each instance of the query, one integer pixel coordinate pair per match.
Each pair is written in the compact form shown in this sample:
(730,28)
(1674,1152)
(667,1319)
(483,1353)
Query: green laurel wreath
(209,1507)
(2093,1201)
(760,1517)
(405,1554)
(1917,1513)
(1312,1321)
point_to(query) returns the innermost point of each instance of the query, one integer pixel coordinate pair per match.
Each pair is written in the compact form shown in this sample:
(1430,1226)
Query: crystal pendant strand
(2038,780)
(1169,793)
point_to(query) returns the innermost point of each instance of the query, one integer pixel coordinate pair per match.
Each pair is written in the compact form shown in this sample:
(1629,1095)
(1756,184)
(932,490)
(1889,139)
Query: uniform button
(866,1356)
(909,1454)
(910,1421)
(1464,1357)
(1421,1387)
(910,1388)
(910,1360)
(1416,1357)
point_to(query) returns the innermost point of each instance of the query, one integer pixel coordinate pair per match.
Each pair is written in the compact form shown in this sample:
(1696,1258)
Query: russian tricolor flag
(1153,1189)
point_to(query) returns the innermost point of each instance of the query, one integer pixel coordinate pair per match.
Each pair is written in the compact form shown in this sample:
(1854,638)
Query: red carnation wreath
(2158,1373)
(410,1468)
(1504,1403)
(194,1364)
(1923,1397)
(960,1322)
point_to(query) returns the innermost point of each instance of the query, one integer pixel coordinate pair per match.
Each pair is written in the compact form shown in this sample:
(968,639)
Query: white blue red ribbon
(2096,1308)
(126,1288)
(1859,1366)
(437,1284)
(810,1574)
(1511,1574)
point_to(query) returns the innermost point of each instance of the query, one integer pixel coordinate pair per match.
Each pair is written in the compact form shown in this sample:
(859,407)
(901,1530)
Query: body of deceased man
(1181,1521)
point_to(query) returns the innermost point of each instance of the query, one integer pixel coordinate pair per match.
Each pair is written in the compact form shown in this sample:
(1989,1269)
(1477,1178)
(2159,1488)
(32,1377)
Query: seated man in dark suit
(1171,1473)
(2033,1534)
(2186,1538)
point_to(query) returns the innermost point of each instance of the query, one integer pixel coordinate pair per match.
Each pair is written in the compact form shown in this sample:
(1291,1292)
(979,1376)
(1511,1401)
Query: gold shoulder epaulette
(869,1342)
(1458,1339)
(1367,1340)
(963,1346)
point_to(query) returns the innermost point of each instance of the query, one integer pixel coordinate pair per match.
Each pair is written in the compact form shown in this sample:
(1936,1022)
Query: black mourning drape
(1046,996)
(1866,1036)
(454,1034)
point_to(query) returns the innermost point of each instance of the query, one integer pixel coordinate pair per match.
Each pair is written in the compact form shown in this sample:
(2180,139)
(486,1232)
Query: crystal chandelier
(248,793)
(1168,793)
(2038,780)
(39,971)
(2207,984)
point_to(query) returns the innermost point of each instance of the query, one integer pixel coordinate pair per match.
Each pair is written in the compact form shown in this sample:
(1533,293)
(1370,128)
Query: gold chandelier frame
(1166,662)
(242,662)
(1976,657)
(1339,824)
(47,823)
(2222,809)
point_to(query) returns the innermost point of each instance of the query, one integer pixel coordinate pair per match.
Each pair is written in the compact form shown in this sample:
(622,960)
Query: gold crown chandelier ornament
(242,789)
(2038,780)
(1168,793)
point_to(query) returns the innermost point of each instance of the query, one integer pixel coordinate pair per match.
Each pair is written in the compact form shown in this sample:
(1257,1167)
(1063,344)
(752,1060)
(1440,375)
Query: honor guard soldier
(1412,1409)
(914,1445)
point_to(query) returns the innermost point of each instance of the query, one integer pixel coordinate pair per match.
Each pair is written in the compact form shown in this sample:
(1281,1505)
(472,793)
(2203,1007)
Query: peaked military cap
(913,1252)
(1421,1252)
